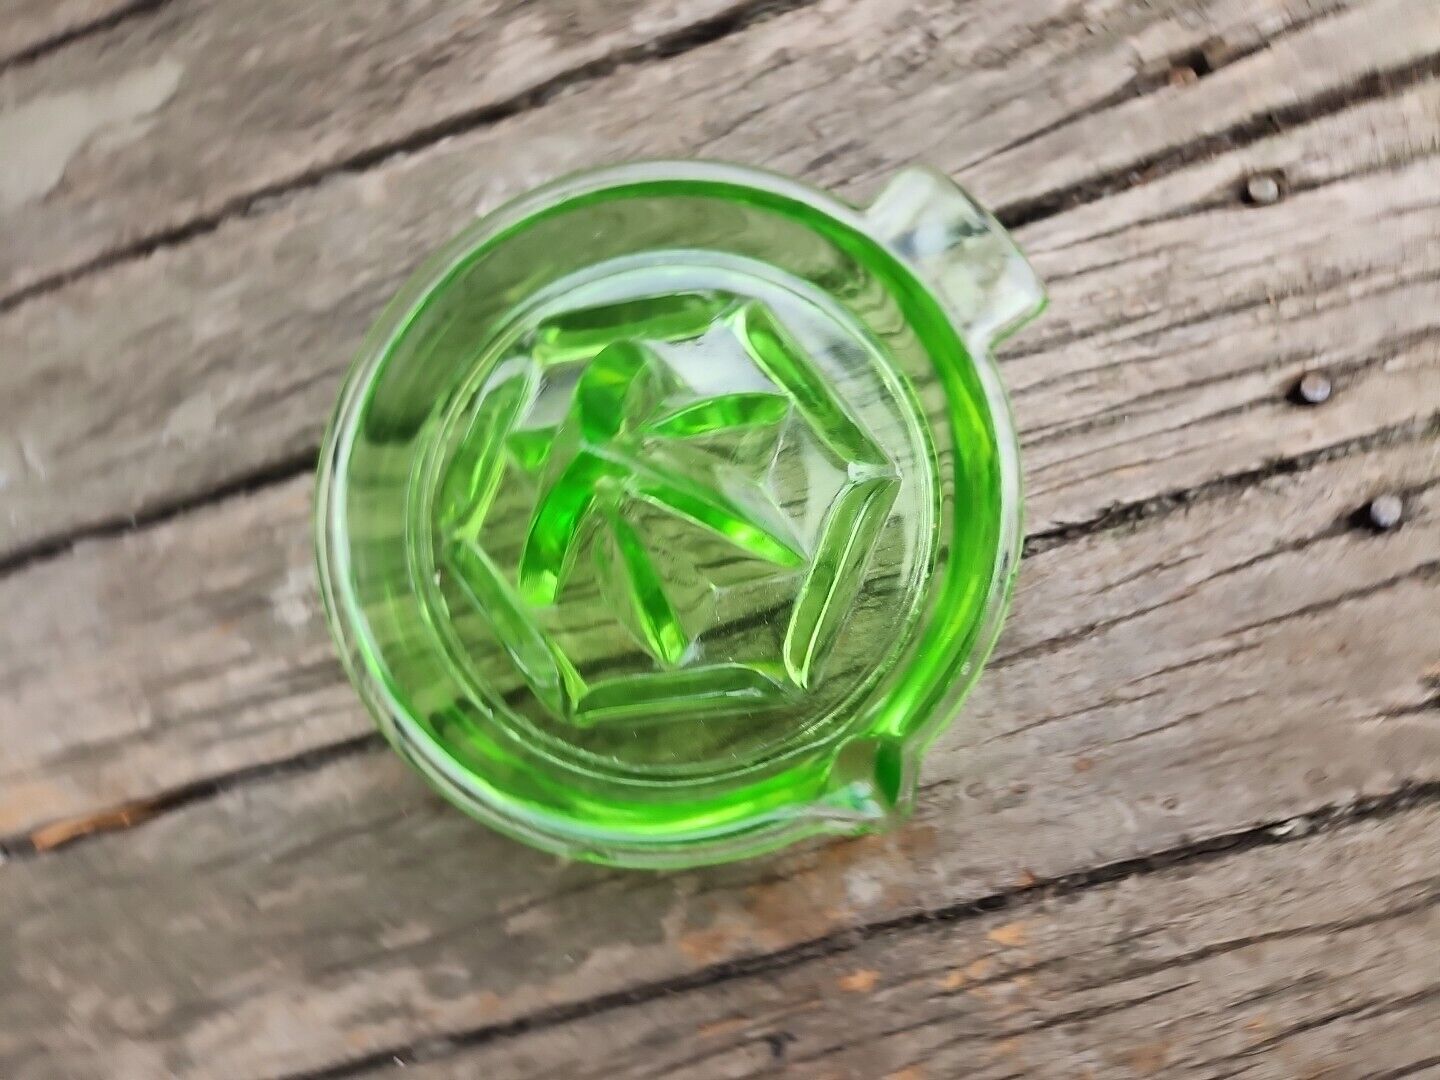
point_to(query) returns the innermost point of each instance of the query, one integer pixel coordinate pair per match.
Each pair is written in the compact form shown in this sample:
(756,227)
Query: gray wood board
(1229,663)
(194,111)
(1313,958)
(212,376)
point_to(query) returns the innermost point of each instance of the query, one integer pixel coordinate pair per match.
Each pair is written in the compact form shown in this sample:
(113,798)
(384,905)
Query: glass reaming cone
(670,511)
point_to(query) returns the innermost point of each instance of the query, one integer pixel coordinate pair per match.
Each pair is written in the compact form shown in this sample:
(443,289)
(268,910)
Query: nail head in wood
(1263,190)
(1314,388)
(1386,511)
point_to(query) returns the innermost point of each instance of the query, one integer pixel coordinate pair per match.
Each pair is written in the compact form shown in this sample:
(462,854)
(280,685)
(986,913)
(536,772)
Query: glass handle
(961,251)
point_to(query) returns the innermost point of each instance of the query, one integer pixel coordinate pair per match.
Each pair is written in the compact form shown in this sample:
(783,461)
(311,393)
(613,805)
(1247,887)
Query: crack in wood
(1188,718)
(1200,63)
(38,49)
(1341,374)
(1132,513)
(1331,281)
(1428,899)
(1408,1070)
(1425,572)
(51,547)
(1222,198)
(1074,1016)
(61,834)
(1366,1009)
(1429,705)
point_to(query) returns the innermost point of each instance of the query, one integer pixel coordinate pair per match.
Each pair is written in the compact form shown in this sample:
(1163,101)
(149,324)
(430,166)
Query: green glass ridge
(659,624)
(836,573)
(725,412)
(668,696)
(471,482)
(545,669)
(580,334)
(785,360)
(617,390)
(560,516)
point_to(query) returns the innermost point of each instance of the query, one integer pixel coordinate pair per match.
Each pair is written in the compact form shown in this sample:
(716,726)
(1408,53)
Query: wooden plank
(212,373)
(1196,674)
(1311,958)
(174,656)
(1181,374)
(1121,395)
(32,27)
(243,101)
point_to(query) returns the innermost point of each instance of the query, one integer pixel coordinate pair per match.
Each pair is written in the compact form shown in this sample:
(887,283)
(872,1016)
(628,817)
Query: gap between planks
(43,550)
(1376,85)
(61,834)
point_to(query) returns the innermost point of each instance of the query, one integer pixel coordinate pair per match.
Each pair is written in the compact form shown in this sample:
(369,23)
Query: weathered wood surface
(170,657)
(213,375)
(1204,647)
(30,28)
(305,90)
(1276,961)
(1180,318)
(1225,665)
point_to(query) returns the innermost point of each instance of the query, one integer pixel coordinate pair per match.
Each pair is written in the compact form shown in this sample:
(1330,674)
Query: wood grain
(179,654)
(213,374)
(1311,958)
(271,94)
(32,27)
(1195,674)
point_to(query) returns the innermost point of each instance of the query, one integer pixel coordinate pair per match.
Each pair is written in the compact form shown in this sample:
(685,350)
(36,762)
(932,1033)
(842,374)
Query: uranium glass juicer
(670,511)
